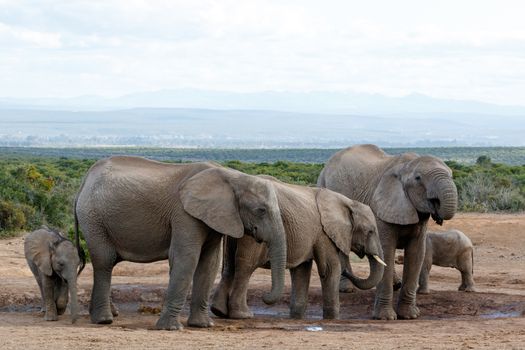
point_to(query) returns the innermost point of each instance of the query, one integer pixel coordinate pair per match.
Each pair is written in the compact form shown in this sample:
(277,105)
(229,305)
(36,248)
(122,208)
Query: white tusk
(379,260)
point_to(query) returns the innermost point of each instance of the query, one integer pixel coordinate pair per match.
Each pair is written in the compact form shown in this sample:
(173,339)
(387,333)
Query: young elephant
(448,249)
(320,225)
(54,261)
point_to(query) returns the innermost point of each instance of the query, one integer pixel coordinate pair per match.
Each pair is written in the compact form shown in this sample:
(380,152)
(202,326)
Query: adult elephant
(134,209)
(403,192)
(321,226)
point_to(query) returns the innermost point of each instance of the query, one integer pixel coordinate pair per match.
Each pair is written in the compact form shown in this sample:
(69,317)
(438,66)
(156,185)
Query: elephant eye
(261,211)
(418,177)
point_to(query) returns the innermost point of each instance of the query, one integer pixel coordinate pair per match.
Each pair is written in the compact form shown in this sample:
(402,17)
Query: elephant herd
(139,210)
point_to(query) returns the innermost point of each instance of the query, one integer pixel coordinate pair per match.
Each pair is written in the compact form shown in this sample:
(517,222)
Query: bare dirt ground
(491,318)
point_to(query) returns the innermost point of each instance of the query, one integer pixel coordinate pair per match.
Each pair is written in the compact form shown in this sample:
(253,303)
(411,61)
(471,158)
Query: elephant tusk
(379,260)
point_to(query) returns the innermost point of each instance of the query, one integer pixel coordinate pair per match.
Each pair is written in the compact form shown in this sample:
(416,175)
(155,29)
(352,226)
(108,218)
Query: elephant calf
(54,261)
(320,225)
(448,249)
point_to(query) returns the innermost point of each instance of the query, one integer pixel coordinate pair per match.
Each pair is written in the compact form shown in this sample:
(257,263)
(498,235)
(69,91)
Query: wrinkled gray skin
(54,261)
(134,209)
(403,192)
(320,225)
(448,249)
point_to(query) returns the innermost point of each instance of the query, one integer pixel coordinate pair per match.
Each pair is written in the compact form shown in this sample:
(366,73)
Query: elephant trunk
(277,255)
(376,274)
(447,195)
(72,287)
(374,253)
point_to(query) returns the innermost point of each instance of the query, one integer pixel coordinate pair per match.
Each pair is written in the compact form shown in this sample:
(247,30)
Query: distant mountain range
(192,118)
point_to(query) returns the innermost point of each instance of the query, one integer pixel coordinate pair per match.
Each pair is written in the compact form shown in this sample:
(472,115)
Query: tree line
(41,190)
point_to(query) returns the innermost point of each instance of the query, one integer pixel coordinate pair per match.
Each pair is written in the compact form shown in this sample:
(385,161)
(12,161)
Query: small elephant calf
(54,261)
(448,249)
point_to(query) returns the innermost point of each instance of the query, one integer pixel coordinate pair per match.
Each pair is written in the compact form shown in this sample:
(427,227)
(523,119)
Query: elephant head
(233,203)
(59,256)
(352,227)
(415,185)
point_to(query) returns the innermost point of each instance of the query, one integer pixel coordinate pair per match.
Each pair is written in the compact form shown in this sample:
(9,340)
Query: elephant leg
(220,298)
(48,287)
(113,308)
(103,257)
(36,273)
(244,268)
(423,278)
(329,270)
(203,282)
(300,283)
(184,254)
(383,305)
(414,256)
(61,296)
(465,267)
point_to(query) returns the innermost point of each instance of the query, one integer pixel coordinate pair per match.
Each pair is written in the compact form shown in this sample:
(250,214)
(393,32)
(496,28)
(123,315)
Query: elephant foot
(50,317)
(219,306)
(468,289)
(114,309)
(408,311)
(168,323)
(101,317)
(61,310)
(297,312)
(330,314)
(200,321)
(423,291)
(385,313)
(240,314)
(345,286)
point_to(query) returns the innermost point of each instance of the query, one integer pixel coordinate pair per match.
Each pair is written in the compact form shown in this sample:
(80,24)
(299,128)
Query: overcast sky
(457,49)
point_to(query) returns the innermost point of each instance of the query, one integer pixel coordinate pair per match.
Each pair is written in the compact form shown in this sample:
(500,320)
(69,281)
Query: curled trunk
(448,198)
(376,274)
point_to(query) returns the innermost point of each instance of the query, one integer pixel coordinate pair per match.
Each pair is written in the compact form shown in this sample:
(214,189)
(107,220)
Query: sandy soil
(491,318)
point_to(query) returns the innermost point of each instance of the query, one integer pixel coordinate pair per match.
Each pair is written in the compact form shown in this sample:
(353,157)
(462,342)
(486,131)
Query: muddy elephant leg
(103,257)
(185,250)
(245,265)
(330,272)
(61,296)
(383,305)
(423,278)
(38,277)
(300,283)
(414,256)
(48,287)
(219,305)
(203,279)
(465,266)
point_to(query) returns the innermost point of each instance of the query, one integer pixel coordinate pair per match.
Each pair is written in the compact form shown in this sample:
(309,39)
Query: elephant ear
(390,202)
(209,197)
(336,218)
(39,251)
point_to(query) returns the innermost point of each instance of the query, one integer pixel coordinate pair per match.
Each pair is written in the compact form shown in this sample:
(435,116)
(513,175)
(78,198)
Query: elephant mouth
(435,204)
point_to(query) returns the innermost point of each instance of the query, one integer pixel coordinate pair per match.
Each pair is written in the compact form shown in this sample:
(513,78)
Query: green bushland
(41,190)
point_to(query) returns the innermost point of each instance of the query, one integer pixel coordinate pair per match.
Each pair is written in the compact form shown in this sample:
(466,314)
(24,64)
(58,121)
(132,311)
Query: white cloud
(467,49)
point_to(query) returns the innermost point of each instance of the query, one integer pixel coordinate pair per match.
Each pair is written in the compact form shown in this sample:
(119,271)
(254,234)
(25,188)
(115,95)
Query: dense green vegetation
(41,190)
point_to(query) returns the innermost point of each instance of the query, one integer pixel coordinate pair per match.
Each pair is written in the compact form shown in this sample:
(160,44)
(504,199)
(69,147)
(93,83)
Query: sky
(464,49)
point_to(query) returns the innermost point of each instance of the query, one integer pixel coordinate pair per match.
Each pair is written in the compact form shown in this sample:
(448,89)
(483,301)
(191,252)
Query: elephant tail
(81,253)
(472,257)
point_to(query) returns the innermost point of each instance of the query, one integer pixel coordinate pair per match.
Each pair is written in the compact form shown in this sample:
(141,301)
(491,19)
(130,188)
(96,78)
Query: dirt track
(491,318)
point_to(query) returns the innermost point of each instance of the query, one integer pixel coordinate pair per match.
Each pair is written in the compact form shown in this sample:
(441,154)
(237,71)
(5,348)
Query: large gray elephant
(320,225)
(55,263)
(134,209)
(403,192)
